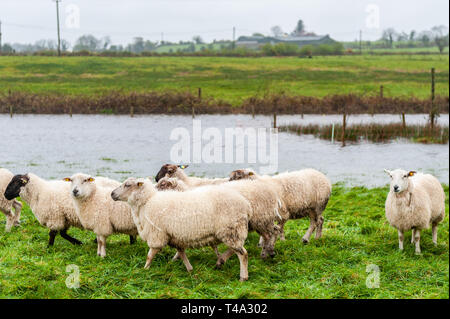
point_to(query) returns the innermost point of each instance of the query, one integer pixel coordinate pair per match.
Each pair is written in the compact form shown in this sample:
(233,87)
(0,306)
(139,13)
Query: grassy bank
(373,132)
(232,80)
(356,235)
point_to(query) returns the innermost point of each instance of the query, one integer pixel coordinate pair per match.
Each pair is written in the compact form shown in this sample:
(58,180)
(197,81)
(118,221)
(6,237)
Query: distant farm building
(255,42)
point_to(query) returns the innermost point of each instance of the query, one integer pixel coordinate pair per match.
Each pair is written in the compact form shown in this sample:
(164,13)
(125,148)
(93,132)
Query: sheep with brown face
(177,171)
(166,183)
(11,208)
(202,216)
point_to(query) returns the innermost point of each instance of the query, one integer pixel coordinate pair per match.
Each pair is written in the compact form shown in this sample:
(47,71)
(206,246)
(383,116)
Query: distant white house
(254,42)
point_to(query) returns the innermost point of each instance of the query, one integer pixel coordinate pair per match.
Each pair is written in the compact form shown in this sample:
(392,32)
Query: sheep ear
(67,179)
(387,172)
(139,184)
(91,179)
(183,166)
(251,174)
(411,173)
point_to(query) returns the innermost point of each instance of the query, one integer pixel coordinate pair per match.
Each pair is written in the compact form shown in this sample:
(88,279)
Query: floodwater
(56,146)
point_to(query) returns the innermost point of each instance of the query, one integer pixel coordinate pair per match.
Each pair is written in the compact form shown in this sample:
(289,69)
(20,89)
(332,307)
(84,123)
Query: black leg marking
(69,238)
(52,234)
(132,239)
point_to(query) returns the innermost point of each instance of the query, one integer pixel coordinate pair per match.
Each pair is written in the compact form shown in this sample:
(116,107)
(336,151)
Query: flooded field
(55,146)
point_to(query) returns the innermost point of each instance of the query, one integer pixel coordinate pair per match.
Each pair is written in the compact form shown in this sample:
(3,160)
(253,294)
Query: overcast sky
(26,21)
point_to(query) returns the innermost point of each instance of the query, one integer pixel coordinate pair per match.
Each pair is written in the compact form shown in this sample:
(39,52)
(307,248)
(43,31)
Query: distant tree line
(437,36)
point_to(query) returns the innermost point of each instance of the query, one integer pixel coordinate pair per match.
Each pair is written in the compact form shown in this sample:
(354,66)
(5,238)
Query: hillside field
(228,79)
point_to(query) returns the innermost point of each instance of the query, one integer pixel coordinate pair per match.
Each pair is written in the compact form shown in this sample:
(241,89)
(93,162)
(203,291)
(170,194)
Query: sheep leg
(224,257)
(243,260)
(132,239)
(177,256)
(216,250)
(401,237)
(151,253)
(9,220)
(17,210)
(66,236)
(434,229)
(319,226)
(52,234)
(186,262)
(101,246)
(261,241)
(269,243)
(412,236)
(282,237)
(417,240)
(311,228)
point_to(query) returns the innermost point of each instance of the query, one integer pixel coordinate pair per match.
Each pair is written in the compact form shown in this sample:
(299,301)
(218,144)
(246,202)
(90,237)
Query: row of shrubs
(279,49)
(374,132)
(172,102)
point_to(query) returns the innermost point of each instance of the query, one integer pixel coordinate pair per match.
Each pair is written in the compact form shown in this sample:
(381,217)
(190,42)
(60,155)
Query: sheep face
(129,190)
(82,185)
(242,174)
(168,170)
(399,179)
(15,186)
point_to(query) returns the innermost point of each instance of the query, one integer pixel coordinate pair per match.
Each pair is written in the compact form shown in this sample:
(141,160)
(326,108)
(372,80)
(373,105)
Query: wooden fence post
(199,93)
(381,91)
(432,111)
(403,121)
(11,110)
(344,124)
(274,120)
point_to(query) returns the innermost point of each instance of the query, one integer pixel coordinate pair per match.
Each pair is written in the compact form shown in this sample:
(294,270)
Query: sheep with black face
(49,201)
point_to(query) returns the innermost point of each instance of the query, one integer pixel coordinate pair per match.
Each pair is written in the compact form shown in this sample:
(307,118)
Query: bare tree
(388,36)
(197,39)
(276,31)
(439,37)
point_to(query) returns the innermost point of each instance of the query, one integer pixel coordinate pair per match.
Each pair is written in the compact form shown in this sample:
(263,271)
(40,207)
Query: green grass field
(356,234)
(229,79)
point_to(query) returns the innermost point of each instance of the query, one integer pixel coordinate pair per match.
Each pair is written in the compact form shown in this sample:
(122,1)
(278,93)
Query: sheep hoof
(418,253)
(305,241)
(219,263)
(189,269)
(243,279)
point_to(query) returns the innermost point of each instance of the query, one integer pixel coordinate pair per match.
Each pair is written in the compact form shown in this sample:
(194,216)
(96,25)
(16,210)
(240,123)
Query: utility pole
(0,37)
(57,25)
(234,37)
(360,41)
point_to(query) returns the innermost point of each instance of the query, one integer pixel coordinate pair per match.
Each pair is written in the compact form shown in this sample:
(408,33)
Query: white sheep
(11,208)
(49,201)
(177,171)
(199,217)
(263,200)
(415,201)
(303,193)
(97,211)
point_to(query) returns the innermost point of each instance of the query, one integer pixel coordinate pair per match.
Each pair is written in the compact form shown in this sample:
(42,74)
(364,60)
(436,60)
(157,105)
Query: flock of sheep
(185,212)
